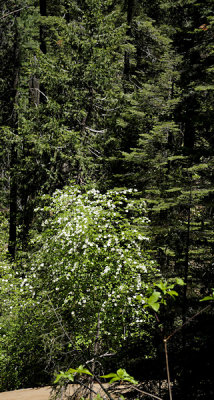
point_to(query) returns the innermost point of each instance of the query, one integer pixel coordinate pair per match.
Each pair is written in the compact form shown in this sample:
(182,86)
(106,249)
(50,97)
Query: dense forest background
(106,132)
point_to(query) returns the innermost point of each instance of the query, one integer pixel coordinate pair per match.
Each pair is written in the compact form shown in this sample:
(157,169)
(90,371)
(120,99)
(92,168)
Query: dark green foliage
(23,360)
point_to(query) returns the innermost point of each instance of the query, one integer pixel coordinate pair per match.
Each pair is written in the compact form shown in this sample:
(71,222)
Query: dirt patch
(38,394)
(27,394)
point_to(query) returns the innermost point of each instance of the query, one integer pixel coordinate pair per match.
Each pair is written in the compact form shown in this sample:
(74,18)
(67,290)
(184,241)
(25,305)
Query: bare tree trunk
(13,154)
(13,203)
(186,264)
(43,13)
(130,11)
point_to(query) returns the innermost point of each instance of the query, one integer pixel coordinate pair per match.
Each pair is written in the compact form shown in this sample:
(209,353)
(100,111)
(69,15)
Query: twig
(13,12)
(95,130)
(93,152)
(38,90)
(167,369)
(146,393)
(187,322)
(69,338)
(86,387)
(59,321)
(102,387)
(101,356)
(96,348)
(169,337)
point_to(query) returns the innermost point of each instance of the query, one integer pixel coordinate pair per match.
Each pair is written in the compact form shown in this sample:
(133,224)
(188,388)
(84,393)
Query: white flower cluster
(92,256)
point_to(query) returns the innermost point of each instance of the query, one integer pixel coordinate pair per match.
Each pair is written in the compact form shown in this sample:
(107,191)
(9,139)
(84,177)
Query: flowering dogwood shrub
(90,259)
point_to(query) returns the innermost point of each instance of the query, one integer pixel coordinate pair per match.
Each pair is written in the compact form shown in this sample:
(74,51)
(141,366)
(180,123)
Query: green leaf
(58,377)
(172,293)
(64,375)
(72,371)
(108,375)
(121,375)
(207,298)
(154,297)
(180,281)
(115,379)
(81,370)
(152,301)
(69,375)
(155,306)
(139,297)
(162,286)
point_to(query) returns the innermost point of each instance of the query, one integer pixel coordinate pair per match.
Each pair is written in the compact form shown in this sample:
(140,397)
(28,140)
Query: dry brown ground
(27,394)
(45,393)
(34,394)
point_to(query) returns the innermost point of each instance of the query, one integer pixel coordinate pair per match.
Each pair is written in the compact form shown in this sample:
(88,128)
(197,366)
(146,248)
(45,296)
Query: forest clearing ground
(35,394)
(27,394)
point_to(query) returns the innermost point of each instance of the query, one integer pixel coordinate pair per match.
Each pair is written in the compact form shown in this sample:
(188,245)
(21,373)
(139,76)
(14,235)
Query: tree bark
(186,263)
(13,203)
(13,154)
(130,11)
(43,13)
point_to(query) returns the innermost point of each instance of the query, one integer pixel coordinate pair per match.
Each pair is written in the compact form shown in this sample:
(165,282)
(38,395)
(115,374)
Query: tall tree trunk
(186,261)
(13,154)
(43,47)
(43,13)
(13,203)
(130,10)
(189,125)
(36,97)
(186,267)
